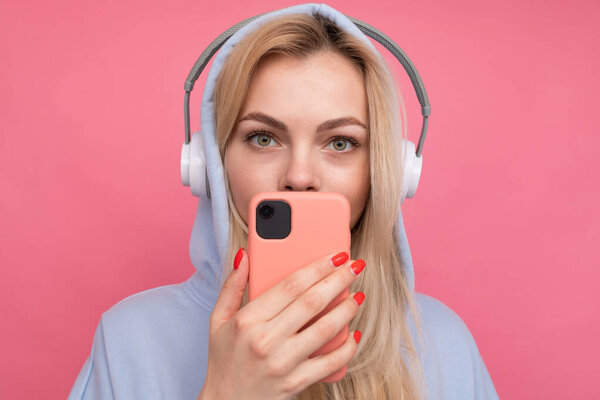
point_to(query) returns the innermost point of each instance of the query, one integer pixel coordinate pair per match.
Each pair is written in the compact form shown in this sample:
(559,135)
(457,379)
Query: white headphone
(193,163)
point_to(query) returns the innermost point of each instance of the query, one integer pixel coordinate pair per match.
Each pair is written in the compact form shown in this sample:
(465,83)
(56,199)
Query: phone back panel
(320,225)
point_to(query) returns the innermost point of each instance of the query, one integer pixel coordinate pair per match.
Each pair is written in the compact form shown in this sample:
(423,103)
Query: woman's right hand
(256,352)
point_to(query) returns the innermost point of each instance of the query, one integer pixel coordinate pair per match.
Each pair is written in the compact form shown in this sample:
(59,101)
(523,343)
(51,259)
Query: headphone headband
(369,30)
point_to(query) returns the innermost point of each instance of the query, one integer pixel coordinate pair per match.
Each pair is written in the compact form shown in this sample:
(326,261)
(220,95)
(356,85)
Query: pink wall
(503,228)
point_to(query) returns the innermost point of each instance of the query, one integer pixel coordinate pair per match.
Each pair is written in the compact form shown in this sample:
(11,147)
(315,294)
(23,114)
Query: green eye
(340,143)
(264,140)
(337,142)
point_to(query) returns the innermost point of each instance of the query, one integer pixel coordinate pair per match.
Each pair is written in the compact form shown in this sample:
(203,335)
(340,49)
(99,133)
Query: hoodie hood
(210,234)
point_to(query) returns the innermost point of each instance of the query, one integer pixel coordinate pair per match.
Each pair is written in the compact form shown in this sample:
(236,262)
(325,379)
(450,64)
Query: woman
(269,89)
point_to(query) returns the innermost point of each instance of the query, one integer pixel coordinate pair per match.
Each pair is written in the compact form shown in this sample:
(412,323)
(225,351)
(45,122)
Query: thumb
(232,292)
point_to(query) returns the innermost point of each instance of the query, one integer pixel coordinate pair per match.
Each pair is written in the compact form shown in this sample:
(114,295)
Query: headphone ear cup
(193,167)
(411,169)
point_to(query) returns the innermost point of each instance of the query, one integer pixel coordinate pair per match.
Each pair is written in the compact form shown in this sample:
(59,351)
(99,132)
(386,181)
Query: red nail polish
(238,258)
(339,258)
(357,336)
(358,266)
(359,297)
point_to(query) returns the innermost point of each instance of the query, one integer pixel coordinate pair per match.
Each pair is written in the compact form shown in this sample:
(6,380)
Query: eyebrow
(275,123)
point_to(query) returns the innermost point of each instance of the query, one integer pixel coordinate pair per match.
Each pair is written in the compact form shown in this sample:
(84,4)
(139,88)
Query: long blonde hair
(386,365)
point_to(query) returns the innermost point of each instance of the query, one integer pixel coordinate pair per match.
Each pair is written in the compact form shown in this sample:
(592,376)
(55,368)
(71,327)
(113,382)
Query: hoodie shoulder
(145,300)
(151,344)
(438,317)
(453,367)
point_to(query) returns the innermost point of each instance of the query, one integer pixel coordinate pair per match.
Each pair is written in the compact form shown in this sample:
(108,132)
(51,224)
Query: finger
(311,303)
(232,292)
(273,301)
(314,369)
(324,329)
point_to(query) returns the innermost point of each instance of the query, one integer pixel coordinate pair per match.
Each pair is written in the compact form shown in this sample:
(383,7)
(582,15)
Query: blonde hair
(386,365)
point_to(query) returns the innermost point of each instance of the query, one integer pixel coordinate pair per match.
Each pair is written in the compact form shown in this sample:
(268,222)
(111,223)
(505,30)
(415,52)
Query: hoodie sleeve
(93,381)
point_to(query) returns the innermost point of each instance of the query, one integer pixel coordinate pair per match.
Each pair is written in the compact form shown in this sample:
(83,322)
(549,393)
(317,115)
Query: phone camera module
(266,211)
(273,219)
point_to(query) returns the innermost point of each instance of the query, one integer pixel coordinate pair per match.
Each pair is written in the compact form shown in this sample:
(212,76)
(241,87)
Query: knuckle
(312,302)
(327,281)
(338,360)
(230,286)
(349,351)
(275,367)
(324,267)
(241,323)
(292,385)
(292,287)
(339,357)
(260,345)
(327,328)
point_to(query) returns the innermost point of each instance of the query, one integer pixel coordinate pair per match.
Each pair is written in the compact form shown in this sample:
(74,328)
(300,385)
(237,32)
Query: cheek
(240,184)
(354,183)
(245,180)
(359,173)
(237,181)
(359,193)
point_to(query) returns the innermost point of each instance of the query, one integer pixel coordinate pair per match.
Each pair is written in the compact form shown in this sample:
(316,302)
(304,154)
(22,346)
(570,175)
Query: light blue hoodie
(154,344)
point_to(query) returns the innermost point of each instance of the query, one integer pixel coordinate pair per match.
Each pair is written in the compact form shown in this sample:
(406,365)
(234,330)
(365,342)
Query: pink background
(503,229)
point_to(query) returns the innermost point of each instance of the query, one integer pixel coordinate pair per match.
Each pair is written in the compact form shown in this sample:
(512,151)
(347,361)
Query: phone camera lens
(266,211)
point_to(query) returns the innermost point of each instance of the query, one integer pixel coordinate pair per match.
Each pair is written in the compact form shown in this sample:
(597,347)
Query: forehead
(323,83)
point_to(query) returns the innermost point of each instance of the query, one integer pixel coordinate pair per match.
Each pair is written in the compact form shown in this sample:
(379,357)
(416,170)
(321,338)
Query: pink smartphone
(289,230)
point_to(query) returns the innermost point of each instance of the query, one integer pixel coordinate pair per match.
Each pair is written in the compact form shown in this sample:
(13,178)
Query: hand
(257,352)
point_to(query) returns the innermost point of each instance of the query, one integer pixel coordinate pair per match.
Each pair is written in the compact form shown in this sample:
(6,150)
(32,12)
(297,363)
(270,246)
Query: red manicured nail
(359,297)
(357,336)
(238,258)
(358,266)
(339,258)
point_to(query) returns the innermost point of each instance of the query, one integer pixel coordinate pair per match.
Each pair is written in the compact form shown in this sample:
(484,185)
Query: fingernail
(339,259)
(359,297)
(238,258)
(357,266)
(357,336)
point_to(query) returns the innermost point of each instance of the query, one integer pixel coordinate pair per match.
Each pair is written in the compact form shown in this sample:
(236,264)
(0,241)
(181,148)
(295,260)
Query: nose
(301,172)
